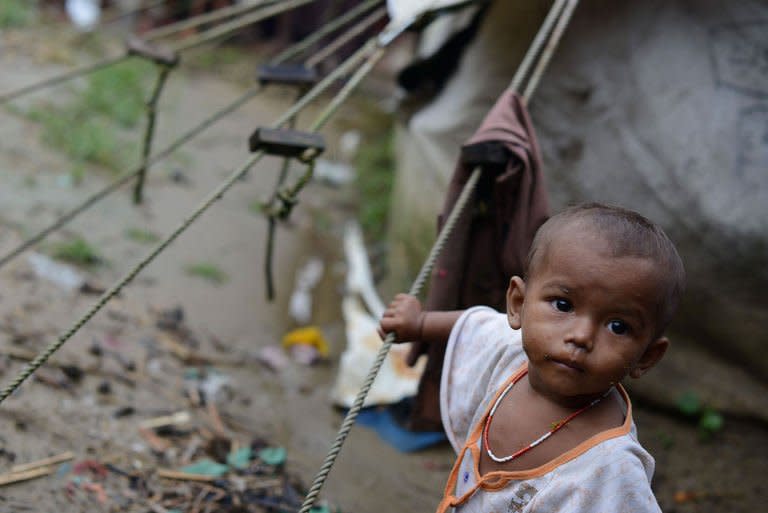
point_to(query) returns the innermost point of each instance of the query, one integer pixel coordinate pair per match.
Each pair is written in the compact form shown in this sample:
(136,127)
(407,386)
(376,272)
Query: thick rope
(538,41)
(546,56)
(353,412)
(426,269)
(318,89)
(126,177)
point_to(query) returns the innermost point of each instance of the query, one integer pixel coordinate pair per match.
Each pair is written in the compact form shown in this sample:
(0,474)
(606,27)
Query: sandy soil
(230,322)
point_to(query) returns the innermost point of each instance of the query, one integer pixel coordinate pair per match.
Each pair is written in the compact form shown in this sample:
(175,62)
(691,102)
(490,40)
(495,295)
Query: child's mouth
(567,364)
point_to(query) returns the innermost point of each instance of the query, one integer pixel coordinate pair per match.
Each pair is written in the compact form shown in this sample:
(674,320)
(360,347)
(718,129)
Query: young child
(531,401)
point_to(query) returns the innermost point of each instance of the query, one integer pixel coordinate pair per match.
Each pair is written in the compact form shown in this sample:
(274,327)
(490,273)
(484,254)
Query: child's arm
(410,323)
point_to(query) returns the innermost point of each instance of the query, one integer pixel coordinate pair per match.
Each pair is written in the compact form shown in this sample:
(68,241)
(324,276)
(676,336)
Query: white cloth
(610,472)
(402,12)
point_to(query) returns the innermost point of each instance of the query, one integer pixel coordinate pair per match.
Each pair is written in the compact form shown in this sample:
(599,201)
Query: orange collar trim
(499,478)
(503,475)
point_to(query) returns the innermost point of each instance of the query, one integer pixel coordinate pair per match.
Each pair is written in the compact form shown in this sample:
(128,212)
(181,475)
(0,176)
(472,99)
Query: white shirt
(608,473)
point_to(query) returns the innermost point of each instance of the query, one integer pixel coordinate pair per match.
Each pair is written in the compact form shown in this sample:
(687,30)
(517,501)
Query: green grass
(91,127)
(256,207)
(81,137)
(118,92)
(375,165)
(76,251)
(207,271)
(17,13)
(141,236)
(77,174)
(709,421)
(374,162)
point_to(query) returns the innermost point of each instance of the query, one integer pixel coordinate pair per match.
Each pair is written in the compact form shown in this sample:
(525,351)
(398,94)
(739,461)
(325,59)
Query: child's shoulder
(482,335)
(484,324)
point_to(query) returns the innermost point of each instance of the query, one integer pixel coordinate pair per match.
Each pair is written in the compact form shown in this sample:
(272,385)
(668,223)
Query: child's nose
(581,333)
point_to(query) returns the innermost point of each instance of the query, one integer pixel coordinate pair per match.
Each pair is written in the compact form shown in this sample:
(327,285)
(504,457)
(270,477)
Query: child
(531,401)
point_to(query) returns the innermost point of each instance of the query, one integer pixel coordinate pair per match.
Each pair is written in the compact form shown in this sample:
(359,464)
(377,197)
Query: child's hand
(403,317)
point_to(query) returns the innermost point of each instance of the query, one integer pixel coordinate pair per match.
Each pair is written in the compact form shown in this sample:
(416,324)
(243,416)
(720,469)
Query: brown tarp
(490,242)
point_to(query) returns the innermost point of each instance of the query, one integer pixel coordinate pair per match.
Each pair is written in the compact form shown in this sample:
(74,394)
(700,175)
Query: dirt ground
(228,324)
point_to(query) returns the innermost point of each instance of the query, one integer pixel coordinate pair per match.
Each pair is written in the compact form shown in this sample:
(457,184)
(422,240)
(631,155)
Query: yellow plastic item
(311,335)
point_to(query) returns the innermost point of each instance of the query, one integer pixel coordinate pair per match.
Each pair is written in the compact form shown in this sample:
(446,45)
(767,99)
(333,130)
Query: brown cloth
(490,242)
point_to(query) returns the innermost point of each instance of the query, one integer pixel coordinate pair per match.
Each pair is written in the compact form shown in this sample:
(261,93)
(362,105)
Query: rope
(303,45)
(63,77)
(272,223)
(123,179)
(219,32)
(351,416)
(426,268)
(347,36)
(288,197)
(226,29)
(318,89)
(538,40)
(131,12)
(196,21)
(546,56)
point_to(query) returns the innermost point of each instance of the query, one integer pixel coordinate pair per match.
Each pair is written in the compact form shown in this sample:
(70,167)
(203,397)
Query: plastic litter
(273,455)
(85,14)
(60,274)
(300,304)
(362,309)
(333,173)
(240,458)
(273,357)
(206,467)
(310,336)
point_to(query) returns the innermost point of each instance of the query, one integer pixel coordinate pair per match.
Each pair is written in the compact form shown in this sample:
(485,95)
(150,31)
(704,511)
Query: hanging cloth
(490,243)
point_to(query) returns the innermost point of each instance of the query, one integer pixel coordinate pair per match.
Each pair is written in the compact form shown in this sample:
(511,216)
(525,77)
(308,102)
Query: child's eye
(618,327)
(562,305)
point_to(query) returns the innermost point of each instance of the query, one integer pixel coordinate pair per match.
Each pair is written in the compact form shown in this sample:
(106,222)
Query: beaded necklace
(555,427)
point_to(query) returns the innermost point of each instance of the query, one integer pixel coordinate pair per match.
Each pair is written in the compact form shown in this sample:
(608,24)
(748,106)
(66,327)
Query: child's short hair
(628,234)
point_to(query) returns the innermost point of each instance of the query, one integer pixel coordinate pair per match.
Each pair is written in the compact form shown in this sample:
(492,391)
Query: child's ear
(515,297)
(651,357)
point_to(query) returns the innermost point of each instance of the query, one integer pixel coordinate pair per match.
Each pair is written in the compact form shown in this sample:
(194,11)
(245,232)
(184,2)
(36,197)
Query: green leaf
(689,403)
(711,421)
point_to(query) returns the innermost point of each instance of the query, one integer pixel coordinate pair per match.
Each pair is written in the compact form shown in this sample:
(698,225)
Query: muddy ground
(226,324)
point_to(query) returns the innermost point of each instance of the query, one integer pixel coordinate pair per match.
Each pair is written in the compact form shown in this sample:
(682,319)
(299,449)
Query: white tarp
(362,309)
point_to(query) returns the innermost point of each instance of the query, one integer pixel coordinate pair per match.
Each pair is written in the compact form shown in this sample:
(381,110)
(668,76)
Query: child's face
(588,319)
